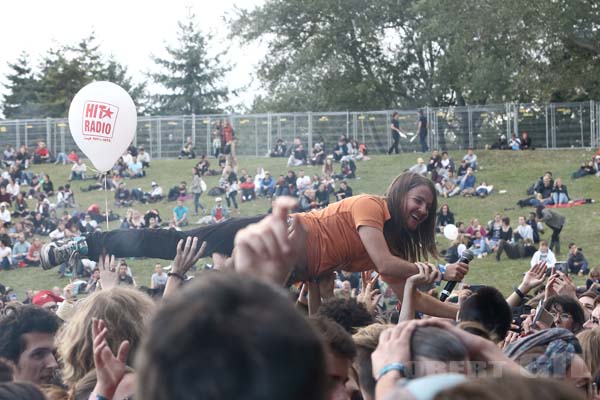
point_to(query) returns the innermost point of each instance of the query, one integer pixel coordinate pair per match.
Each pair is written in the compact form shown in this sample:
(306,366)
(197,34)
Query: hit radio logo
(99,119)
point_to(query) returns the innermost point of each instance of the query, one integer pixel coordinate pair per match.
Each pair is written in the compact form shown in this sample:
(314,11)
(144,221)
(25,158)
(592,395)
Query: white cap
(218,199)
(154,183)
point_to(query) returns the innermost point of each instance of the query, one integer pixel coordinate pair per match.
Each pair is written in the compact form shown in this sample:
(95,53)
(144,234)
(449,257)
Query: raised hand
(109,276)
(369,297)
(109,369)
(266,249)
(534,277)
(187,255)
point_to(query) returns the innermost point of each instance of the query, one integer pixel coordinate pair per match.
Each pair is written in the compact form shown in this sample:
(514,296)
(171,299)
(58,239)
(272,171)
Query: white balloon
(102,120)
(451,232)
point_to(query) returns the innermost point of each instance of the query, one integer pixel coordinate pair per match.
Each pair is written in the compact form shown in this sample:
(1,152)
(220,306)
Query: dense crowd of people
(328,296)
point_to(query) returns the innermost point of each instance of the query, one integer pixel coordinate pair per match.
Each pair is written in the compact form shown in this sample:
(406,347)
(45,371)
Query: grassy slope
(511,171)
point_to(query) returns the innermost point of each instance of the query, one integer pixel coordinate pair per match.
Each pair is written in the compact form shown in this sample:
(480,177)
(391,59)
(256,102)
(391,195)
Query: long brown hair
(125,312)
(411,246)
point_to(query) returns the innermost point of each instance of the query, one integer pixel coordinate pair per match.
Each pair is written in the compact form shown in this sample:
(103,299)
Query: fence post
(206,120)
(193,128)
(48,134)
(347,125)
(310,130)
(470,126)
(269,133)
(516,111)
(546,114)
(256,134)
(159,137)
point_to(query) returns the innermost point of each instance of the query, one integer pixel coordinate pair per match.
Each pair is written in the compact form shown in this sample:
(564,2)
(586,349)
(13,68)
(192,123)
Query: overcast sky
(130,30)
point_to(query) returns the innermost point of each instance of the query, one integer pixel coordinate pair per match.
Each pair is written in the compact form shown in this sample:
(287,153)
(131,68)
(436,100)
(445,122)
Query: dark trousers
(162,243)
(555,239)
(423,142)
(394,146)
(513,251)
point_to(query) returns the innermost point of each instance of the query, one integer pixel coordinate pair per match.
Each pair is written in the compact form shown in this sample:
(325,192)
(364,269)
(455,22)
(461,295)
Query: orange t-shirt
(333,241)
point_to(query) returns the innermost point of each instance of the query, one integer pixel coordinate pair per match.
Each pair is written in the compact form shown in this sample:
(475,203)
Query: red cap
(45,296)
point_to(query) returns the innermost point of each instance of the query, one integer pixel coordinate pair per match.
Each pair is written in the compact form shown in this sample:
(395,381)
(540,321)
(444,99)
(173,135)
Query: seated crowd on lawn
(107,336)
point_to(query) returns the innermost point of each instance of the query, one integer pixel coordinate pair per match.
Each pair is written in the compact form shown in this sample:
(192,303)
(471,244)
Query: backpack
(216,191)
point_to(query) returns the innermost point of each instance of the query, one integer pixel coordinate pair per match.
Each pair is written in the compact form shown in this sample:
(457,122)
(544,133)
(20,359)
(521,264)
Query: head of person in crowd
(475,328)
(594,318)
(349,313)
(27,342)
(511,387)
(589,339)
(488,307)
(435,350)
(340,351)
(47,299)
(256,344)
(566,312)
(124,310)
(588,301)
(412,203)
(553,352)
(366,340)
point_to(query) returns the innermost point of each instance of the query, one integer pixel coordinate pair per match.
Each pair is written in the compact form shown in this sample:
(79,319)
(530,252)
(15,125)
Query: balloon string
(106,202)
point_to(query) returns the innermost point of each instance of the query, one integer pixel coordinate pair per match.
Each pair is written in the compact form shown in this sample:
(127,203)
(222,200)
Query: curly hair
(349,313)
(125,312)
(24,319)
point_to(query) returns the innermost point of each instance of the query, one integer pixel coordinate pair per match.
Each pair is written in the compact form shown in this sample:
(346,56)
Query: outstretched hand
(109,276)
(266,249)
(368,296)
(187,255)
(535,276)
(109,369)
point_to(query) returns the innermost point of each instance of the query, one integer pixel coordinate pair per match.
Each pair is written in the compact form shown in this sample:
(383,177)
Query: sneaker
(54,254)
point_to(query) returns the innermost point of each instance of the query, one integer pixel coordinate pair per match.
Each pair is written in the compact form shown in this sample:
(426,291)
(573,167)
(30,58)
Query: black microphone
(466,258)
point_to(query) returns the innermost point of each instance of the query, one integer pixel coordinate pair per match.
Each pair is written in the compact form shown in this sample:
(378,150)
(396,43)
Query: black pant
(555,238)
(513,251)
(394,146)
(162,243)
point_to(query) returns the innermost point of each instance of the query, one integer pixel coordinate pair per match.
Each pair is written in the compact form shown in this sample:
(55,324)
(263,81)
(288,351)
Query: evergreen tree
(22,101)
(190,75)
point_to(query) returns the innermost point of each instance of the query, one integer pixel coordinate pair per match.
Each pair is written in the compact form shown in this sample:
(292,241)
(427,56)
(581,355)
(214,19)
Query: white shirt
(5,215)
(13,189)
(144,157)
(156,191)
(548,257)
(79,168)
(5,252)
(57,234)
(525,231)
(303,182)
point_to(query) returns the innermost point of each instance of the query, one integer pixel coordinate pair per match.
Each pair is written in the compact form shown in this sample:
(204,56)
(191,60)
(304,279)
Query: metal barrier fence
(552,126)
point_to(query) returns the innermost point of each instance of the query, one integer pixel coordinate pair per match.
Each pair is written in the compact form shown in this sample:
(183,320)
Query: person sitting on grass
(78,171)
(180,214)
(219,212)
(444,217)
(544,254)
(576,261)
(559,194)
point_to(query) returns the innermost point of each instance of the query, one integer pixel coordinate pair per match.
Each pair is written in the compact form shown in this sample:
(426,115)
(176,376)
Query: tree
(190,75)
(360,54)
(22,101)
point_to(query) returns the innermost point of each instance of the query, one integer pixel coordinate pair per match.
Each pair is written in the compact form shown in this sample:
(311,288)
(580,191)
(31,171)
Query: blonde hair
(368,336)
(125,312)
(590,344)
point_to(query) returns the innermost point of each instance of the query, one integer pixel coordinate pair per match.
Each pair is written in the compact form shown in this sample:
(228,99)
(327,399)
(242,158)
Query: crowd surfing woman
(360,233)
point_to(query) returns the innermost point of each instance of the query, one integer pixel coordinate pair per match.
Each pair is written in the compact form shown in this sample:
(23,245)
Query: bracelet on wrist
(177,275)
(401,368)
(519,293)
(100,397)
